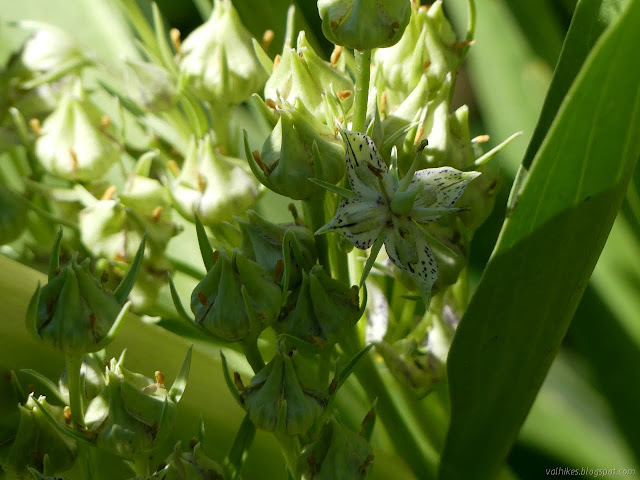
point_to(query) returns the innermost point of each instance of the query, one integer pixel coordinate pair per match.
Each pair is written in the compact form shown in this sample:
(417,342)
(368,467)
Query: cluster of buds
(29,439)
(73,312)
(133,414)
(219,58)
(211,185)
(76,141)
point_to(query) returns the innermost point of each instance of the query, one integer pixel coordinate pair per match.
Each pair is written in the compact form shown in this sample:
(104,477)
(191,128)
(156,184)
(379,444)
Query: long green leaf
(546,252)
(590,19)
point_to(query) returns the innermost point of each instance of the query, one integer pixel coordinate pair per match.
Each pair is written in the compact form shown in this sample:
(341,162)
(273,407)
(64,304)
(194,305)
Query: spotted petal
(441,189)
(365,168)
(359,221)
(408,250)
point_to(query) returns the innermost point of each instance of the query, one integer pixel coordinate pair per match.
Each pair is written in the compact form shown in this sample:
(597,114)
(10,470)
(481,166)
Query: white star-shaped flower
(382,209)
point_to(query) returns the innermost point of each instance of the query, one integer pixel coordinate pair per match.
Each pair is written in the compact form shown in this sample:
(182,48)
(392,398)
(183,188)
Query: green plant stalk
(74,364)
(404,438)
(363,75)
(314,215)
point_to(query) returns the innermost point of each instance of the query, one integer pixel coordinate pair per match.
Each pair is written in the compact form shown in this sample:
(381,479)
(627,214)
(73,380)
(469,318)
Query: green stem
(363,75)
(251,352)
(407,440)
(290,447)
(74,364)
(315,218)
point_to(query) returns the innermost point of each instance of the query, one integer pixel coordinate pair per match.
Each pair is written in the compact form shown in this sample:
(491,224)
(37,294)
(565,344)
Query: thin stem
(74,364)
(315,218)
(363,75)
(290,447)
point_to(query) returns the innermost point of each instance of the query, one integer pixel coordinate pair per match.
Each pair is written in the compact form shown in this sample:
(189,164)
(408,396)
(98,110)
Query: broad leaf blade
(545,255)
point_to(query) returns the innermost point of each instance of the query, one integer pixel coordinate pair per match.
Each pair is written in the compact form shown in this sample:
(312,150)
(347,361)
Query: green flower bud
(75,143)
(428,47)
(134,414)
(34,438)
(262,242)
(322,310)
(338,453)
(301,75)
(112,229)
(279,396)
(237,298)
(288,159)
(364,24)
(212,185)
(310,130)
(219,57)
(49,48)
(150,85)
(13,216)
(73,312)
(414,366)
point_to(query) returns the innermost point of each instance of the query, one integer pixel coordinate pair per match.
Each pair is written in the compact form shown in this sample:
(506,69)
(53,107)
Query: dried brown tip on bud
(423,8)
(221,149)
(276,61)
(344,94)
(202,299)
(480,139)
(426,64)
(333,386)
(202,182)
(419,134)
(156,213)
(335,55)
(238,381)
(340,119)
(464,43)
(108,193)
(277,274)
(258,159)
(67,414)
(105,122)
(34,123)
(216,255)
(267,38)
(159,378)
(173,166)
(74,158)
(174,34)
(383,102)
(270,103)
